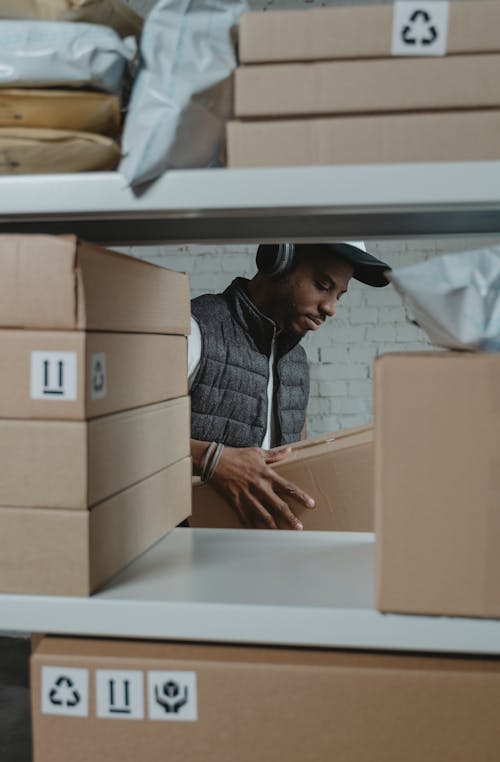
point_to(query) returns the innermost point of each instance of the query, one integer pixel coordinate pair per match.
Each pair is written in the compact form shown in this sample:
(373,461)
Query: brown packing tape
(83,111)
(37,151)
(113,13)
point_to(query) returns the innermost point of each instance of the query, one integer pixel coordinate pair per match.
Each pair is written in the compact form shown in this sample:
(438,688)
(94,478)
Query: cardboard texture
(62,283)
(337,471)
(356,31)
(451,136)
(35,151)
(57,552)
(347,87)
(84,111)
(75,464)
(437,483)
(262,704)
(74,375)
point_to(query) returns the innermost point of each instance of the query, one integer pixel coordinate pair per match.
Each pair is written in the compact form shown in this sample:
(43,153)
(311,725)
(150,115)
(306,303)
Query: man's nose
(328,306)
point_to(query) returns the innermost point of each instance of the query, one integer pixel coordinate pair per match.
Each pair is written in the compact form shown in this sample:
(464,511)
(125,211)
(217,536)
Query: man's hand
(244,476)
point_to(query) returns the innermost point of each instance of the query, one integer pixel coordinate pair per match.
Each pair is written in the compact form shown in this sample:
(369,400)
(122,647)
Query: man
(248,374)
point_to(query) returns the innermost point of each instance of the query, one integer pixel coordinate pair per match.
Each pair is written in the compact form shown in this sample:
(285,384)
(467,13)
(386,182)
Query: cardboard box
(348,87)
(437,483)
(61,283)
(76,464)
(251,703)
(77,375)
(58,552)
(451,136)
(356,31)
(337,471)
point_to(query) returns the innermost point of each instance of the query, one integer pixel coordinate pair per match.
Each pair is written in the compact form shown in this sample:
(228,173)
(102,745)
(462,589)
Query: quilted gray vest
(229,391)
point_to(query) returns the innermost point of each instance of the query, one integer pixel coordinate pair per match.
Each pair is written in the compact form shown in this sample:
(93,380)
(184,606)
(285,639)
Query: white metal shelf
(247,586)
(243,205)
(303,589)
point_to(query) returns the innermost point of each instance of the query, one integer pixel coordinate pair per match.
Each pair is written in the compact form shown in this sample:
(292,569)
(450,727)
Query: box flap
(60,283)
(37,282)
(123,293)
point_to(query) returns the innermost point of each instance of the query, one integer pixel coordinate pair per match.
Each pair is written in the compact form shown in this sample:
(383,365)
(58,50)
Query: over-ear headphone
(274,260)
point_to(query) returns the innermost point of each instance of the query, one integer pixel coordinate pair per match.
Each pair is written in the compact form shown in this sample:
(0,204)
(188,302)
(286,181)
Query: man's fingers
(288,489)
(279,509)
(254,515)
(286,515)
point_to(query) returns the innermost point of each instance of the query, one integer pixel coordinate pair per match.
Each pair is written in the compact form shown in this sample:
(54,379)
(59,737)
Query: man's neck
(259,292)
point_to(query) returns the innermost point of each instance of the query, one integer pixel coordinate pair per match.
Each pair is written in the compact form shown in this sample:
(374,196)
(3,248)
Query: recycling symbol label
(64,691)
(98,385)
(420,29)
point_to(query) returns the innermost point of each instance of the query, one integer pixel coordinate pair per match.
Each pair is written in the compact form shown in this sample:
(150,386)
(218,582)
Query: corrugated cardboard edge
(58,552)
(127,524)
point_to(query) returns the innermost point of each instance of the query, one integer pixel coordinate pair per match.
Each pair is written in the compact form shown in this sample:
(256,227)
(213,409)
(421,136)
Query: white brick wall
(368,322)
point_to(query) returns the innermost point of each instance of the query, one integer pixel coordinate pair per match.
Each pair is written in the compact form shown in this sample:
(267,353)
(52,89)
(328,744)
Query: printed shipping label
(420,29)
(65,691)
(53,375)
(172,696)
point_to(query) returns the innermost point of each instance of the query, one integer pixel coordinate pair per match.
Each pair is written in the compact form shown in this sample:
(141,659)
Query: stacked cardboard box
(336,470)
(94,413)
(215,703)
(437,483)
(298,103)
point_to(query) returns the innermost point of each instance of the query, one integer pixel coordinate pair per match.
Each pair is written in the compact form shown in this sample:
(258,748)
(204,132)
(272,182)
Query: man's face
(307,295)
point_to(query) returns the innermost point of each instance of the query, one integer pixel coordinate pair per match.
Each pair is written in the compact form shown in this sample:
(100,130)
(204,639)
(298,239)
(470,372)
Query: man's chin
(295,331)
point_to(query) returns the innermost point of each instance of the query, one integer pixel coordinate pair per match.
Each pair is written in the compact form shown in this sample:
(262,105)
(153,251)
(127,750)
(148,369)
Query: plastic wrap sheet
(182,94)
(63,53)
(455,298)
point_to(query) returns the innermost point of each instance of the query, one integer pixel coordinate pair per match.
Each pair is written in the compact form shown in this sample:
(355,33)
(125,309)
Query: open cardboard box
(336,470)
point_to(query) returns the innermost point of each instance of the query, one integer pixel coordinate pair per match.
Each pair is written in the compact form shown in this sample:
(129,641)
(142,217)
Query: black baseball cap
(367,268)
